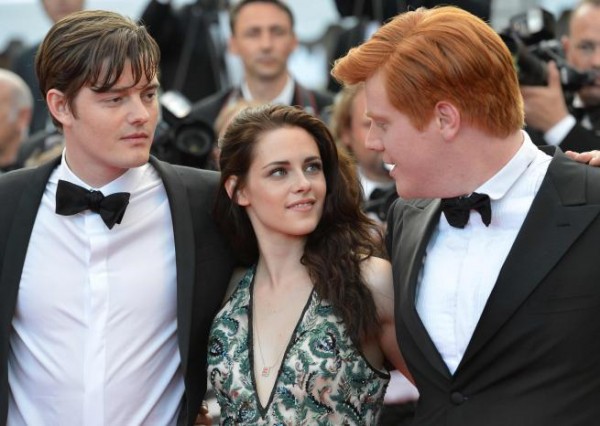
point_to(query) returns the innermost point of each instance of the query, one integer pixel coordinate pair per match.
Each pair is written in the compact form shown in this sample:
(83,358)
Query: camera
(530,37)
(180,139)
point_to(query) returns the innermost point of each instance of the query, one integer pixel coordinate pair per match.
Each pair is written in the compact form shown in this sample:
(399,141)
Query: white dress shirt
(461,266)
(94,333)
(285,97)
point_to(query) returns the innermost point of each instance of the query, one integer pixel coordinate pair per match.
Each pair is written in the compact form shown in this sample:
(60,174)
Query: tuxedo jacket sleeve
(534,357)
(203,261)
(21,192)
(579,139)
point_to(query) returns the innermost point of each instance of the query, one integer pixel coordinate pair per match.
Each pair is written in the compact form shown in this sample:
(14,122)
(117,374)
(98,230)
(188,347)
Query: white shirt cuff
(560,130)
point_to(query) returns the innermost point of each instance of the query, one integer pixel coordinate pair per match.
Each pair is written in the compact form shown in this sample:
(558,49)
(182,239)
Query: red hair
(441,54)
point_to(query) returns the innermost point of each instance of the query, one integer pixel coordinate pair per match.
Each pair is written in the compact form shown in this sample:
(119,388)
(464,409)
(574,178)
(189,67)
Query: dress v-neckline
(264,409)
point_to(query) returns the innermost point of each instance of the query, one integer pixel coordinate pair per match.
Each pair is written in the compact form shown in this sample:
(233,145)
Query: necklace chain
(266,370)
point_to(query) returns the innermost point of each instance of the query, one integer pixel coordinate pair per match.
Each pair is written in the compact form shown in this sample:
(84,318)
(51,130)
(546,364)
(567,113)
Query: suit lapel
(418,223)
(21,229)
(184,252)
(558,215)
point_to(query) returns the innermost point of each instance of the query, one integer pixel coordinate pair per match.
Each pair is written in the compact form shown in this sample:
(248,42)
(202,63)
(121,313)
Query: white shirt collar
(127,182)
(577,102)
(285,97)
(499,184)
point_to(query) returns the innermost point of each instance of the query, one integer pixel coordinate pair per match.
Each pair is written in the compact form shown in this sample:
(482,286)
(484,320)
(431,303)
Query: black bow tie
(72,199)
(458,209)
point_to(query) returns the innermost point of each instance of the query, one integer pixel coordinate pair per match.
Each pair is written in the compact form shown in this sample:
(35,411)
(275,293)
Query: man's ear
(232,46)
(58,106)
(447,119)
(236,194)
(296,42)
(24,118)
(346,138)
(566,44)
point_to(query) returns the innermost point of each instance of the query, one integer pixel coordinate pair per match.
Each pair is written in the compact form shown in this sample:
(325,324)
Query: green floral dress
(323,379)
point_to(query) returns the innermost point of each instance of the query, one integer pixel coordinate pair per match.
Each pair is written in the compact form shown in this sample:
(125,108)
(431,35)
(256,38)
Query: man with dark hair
(111,268)
(262,34)
(494,242)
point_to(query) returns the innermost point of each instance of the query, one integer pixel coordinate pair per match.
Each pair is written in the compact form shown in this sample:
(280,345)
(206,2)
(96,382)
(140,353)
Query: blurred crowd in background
(198,61)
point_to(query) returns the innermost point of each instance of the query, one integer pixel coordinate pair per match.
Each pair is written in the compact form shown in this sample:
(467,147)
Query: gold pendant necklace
(266,369)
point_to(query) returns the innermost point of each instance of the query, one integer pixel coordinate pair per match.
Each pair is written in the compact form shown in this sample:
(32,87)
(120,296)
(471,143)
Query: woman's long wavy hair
(344,237)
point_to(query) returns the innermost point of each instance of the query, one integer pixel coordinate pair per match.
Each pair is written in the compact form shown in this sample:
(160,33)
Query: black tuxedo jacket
(534,357)
(207,110)
(203,260)
(579,139)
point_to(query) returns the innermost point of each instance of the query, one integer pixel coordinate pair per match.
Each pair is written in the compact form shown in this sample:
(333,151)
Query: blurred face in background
(263,37)
(9,129)
(582,48)
(14,122)
(369,161)
(58,9)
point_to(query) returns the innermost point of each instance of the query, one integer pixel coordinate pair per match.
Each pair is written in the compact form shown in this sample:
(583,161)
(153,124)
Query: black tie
(72,199)
(458,209)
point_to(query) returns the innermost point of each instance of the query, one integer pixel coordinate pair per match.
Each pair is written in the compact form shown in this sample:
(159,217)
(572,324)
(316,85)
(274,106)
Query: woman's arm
(378,276)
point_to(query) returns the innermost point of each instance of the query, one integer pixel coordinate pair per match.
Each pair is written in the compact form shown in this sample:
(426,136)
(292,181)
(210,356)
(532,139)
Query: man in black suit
(111,268)
(574,124)
(497,299)
(262,34)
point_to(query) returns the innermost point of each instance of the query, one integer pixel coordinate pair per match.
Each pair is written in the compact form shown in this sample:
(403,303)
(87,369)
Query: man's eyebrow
(119,89)
(374,116)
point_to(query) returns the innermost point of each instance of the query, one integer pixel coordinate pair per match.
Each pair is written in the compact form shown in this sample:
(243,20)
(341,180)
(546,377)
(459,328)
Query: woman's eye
(314,167)
(277,172)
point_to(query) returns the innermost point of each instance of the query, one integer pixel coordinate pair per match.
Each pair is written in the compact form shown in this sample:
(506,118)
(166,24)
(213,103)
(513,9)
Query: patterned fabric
(324,379)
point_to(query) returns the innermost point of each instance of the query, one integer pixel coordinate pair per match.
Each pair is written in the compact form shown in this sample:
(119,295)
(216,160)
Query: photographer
(572,124)
(190,41)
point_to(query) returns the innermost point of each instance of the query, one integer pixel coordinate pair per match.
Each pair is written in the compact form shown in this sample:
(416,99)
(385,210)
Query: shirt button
(457,398)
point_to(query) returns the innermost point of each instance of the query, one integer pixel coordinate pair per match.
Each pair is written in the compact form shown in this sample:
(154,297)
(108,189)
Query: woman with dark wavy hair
(304,332)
